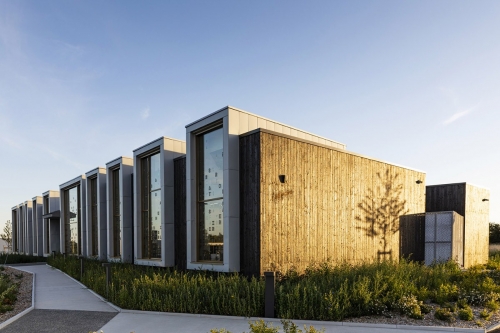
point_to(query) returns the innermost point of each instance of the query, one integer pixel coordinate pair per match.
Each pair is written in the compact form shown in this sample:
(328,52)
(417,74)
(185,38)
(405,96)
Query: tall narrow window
(93,209)
(21,224)
(72,220)
(35,228)
(151,206)
(210,170)
(46,224)
(117,233)
(14,231)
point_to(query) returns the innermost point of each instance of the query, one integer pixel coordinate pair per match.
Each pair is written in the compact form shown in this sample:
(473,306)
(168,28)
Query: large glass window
(151,206)
(72,220)
(210,225)
(117,232)
(93,212)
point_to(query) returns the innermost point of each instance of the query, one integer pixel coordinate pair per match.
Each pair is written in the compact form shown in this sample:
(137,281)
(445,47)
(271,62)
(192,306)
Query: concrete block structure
(96,213)
(471,202)
(73,195)
(120,220)
(37,225)
(154,242)
(51,222)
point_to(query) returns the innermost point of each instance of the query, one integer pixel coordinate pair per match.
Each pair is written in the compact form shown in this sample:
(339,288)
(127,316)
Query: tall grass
(168,290)
(323,292)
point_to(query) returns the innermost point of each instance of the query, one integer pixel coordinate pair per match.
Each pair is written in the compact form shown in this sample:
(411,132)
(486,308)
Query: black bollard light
(108,276)
(269,295)
(82,267)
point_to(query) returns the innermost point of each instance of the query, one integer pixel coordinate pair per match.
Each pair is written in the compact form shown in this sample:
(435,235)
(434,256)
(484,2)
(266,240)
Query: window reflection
(72,220)
(117,239)
(210,163)
(151,206)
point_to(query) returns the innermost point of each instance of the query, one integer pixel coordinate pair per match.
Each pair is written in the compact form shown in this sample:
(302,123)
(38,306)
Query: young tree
(7,233)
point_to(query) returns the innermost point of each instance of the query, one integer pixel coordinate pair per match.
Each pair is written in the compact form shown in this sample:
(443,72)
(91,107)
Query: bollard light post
(269,295)
(108,276)
(82,267)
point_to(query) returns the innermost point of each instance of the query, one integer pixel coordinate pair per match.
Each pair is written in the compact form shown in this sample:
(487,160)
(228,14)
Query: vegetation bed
(387,292)
(15,292)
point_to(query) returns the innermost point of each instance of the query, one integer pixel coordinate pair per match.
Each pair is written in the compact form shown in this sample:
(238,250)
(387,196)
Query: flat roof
(160,138)
(258,116)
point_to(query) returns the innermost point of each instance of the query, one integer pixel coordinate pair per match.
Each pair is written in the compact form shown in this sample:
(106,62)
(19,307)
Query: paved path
(63,305)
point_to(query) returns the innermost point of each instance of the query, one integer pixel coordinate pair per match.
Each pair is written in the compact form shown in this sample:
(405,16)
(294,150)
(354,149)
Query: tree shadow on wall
(382,208)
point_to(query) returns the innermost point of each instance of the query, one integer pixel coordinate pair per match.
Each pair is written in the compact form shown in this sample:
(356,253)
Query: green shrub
(465,314)
(444,314)
(492,305)
(14,258)
(462,303)
(425,308)
(260,326)
(485,314)
(410,306)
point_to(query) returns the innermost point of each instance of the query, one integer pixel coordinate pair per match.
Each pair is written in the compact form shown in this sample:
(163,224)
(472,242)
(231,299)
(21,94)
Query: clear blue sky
(415,83)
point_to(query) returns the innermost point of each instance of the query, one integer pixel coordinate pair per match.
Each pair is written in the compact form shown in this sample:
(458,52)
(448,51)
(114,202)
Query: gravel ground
(24,294)
(430,320)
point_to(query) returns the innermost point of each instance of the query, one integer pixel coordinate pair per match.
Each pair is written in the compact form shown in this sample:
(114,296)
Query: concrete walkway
(55,291)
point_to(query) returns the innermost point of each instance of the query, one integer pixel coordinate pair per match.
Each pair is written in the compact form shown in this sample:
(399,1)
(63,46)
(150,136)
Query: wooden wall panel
(250,236)
(334,206)
(180,236)
(412,237)
(477,218)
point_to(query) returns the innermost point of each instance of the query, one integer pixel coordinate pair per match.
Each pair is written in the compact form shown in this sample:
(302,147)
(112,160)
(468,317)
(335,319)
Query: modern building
(154,242)
(120,221)
(51,222)
(73,195)
(37,225)
(96,213)
(248,194)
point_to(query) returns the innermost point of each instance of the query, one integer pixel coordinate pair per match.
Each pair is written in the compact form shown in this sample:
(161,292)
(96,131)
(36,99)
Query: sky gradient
(412,83)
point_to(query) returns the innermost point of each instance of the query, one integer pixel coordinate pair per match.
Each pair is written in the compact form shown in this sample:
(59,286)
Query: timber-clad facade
(332,205)
(247,194)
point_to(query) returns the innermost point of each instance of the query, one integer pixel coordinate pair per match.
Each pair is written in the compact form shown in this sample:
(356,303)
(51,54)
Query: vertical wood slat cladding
(333,206)
(180,235)
(412,237)
(466,200)
(477,215)
(250,236)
